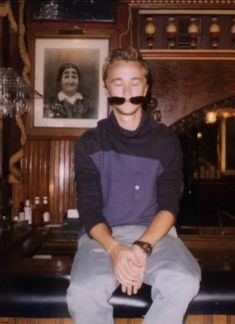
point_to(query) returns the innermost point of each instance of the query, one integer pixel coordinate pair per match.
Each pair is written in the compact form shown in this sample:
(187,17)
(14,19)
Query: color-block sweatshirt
(126,177)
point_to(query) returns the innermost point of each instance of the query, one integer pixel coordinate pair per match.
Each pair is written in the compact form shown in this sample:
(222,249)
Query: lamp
(171,31)
(232,30)
(193,32)
(150,30)
(13,90)
(214,31)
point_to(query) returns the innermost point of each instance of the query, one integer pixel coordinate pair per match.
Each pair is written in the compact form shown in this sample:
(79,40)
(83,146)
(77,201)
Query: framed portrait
(67,75)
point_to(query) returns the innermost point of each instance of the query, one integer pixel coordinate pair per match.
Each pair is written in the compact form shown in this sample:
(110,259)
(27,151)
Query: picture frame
(48,55)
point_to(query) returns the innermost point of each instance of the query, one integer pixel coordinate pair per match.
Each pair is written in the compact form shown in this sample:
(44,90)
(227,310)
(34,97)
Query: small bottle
(45,210)
(37,219)
(21,212)
(28,211)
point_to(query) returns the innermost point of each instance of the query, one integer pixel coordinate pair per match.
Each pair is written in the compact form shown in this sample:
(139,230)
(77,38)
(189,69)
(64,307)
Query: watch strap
(145,246)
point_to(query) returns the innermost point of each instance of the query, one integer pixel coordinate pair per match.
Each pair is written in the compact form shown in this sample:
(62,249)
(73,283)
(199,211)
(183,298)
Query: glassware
(13,93)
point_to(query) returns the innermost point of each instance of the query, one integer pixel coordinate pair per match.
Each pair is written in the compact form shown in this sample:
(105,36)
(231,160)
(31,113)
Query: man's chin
(127,112)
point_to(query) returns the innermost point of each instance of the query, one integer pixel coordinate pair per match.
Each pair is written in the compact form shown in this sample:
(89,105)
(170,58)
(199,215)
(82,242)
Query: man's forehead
(134,78)
(122,68)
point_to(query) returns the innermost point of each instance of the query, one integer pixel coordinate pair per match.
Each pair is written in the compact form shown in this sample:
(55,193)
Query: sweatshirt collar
(141,129)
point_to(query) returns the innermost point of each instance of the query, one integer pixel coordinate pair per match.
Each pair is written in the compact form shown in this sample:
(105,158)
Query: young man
(129,182)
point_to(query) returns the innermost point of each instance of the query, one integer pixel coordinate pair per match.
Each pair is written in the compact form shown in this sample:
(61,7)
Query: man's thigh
(170,255)
(91,263)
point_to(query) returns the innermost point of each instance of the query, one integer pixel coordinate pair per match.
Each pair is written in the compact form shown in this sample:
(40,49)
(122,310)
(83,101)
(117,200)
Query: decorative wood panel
(48,168)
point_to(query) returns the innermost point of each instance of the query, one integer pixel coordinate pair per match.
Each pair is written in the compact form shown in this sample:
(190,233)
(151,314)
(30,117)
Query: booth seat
(45,297)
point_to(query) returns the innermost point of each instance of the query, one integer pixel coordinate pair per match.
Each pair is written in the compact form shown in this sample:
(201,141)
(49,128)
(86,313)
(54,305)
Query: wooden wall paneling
(34,166)
(61,182)
(38,171)
(48,168)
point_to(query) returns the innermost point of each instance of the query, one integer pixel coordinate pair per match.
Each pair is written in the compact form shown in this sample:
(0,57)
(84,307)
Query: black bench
(44,296)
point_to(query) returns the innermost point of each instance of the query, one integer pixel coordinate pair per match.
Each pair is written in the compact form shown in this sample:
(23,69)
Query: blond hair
(129,54)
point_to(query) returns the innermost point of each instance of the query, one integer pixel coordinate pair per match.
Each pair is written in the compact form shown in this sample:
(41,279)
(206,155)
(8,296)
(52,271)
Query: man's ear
(146,89)
(106,91)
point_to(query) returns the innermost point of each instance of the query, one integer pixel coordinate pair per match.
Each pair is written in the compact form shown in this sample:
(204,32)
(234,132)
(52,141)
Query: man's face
(126,79)
(69,81)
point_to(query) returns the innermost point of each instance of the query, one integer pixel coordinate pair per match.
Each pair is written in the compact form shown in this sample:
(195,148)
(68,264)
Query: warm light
(225,114)
(171,31)
(193,32)
(199,135)
(214,31)
(150,31)
(150,28)
(211,117)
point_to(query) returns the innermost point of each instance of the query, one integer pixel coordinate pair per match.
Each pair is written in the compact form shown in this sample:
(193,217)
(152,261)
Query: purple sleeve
(88,187)
(170,182)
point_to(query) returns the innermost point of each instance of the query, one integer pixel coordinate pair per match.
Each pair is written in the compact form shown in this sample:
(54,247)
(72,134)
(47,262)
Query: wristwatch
(145,246)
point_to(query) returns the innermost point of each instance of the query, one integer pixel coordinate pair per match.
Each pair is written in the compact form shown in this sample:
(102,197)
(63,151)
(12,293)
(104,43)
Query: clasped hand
(129,266)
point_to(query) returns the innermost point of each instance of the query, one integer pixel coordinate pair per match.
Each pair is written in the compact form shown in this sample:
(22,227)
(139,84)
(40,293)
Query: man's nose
(127,90)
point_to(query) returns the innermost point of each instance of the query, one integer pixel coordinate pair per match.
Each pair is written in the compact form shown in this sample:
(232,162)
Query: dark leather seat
(44,296)
(216,296)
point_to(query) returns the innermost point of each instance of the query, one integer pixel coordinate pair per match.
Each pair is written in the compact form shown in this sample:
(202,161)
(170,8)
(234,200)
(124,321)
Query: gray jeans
(171,270)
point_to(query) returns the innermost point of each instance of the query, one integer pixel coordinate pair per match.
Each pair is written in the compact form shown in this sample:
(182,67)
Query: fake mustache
(120,100)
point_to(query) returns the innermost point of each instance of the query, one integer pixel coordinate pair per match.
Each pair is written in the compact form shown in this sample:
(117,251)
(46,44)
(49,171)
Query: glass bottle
(21,212)
(28,211)
(45,210)
(37,218)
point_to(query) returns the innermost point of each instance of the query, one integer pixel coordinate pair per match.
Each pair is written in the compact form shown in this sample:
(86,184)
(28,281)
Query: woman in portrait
(68,101)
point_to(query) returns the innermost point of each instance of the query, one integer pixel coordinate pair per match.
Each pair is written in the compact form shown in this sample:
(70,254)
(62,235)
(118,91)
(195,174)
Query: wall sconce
(193,32)
(214,31)
(13,90)
(171,30)
(211,117)
(150,31)
(232,31)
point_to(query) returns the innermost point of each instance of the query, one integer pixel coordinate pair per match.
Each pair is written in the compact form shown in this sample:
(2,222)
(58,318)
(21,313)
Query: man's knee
(193,283)
(83,294)
(187,286)
(177,284)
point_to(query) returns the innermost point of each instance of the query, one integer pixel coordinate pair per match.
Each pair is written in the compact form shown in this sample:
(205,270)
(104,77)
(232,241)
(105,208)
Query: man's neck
(129,122)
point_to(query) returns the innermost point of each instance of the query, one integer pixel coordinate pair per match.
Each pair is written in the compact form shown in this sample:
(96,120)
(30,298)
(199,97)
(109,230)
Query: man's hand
(129,266)
(142,259)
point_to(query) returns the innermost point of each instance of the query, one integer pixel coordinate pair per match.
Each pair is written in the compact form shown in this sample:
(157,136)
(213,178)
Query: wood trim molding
(189,3)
